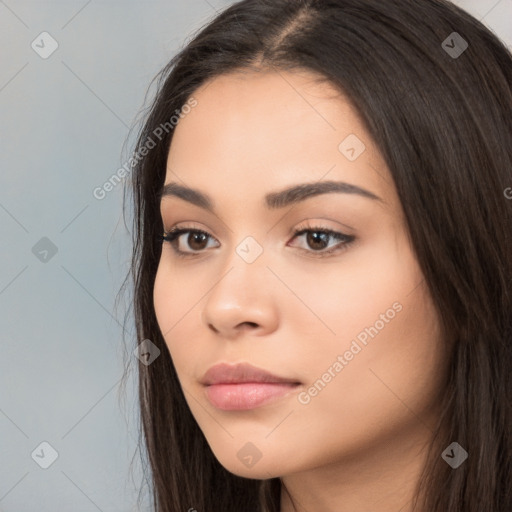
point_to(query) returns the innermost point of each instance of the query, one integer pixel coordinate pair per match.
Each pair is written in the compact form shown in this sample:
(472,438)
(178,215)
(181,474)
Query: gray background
(63,123)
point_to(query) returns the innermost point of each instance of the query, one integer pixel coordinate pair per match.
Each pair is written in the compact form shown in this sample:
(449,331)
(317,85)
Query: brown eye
(194,243)
(319,239)
(197,241)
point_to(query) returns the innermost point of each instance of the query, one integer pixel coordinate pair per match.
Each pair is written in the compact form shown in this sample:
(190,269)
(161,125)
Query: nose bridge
(242,293)
(243,272)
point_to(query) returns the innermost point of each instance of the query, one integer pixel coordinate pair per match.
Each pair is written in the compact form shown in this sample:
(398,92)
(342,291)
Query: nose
(243,300)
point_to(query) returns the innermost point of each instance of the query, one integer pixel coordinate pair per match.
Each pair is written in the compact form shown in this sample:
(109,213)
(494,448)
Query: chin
(262,469)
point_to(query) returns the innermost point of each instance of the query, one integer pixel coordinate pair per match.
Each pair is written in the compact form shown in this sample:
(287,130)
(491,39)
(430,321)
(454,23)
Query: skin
(358,444)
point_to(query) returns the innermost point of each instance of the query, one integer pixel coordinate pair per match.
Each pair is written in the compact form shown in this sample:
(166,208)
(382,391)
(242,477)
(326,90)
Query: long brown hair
(440,114)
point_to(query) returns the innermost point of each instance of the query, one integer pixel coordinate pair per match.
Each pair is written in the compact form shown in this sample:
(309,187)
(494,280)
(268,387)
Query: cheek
(164,300)
(176,294)
(387,385)
(163,295)
(174,308)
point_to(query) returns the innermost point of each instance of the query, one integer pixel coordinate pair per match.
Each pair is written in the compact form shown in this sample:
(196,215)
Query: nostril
(249,324)
(213,328)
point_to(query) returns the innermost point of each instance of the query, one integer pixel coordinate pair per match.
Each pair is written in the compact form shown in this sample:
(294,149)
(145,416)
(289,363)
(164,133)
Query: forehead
(256,131)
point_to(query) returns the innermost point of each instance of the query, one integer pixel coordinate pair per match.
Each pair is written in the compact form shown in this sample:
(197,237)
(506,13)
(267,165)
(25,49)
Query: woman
(323,261)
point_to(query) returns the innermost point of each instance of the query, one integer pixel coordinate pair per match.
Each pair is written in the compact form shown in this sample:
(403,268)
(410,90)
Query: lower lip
(244,396)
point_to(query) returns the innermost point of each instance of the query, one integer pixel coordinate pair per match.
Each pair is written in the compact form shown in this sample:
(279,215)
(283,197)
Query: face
(318,286)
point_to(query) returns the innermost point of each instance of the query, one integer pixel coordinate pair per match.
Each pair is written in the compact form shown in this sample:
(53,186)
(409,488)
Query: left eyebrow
(274,200)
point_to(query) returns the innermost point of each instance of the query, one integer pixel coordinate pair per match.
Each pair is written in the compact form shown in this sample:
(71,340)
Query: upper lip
(239,373)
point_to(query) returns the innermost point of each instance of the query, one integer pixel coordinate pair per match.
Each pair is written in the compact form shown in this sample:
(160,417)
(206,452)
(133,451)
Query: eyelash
(173,235)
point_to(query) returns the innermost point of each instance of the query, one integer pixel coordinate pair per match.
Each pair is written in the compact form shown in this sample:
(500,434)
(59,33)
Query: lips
(243,386)
(241,373)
